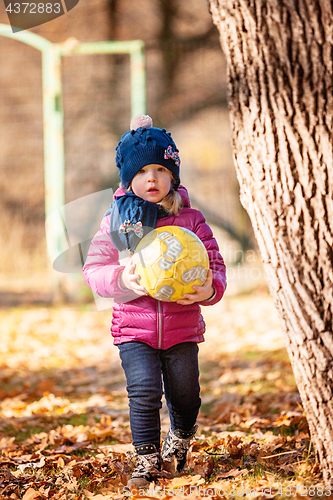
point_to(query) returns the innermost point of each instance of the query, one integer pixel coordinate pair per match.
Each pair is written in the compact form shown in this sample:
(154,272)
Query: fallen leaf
(232,473)
(204,470)
(45,386)
(60,462)
(288,468)
(31,494)
(99,496)
(117,448)
(70,449)
(7,442)
(178,482)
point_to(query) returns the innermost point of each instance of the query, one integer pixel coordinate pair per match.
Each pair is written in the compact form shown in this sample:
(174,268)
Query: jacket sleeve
(216,262)
(102,269)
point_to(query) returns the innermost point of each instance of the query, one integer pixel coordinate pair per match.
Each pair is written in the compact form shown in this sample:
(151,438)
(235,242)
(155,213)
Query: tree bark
(280,56)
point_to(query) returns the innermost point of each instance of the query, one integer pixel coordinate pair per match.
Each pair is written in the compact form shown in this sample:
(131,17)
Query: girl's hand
(129,280)
(203,292)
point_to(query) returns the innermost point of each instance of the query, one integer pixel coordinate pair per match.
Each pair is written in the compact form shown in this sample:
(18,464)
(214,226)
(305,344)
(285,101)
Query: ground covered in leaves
(64,429)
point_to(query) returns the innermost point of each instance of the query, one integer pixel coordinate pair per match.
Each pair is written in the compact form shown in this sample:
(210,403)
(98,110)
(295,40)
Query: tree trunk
(279,55)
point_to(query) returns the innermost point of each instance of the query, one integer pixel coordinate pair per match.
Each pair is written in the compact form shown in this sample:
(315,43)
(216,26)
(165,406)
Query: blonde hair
(172,202)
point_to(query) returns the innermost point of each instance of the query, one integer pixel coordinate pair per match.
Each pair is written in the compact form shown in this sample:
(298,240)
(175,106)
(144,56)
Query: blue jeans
(144,368)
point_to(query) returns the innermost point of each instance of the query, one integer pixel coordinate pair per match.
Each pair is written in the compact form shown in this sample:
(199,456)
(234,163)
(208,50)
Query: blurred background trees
(186,93)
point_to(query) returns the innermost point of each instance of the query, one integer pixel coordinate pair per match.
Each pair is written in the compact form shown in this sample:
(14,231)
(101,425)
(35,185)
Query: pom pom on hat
(144,145)
(141,121)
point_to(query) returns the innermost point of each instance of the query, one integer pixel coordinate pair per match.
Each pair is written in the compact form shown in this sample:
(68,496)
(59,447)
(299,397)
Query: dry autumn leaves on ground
(64,428)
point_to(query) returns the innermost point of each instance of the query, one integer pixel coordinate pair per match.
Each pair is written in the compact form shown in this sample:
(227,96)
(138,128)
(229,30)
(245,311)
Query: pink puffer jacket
(145,319)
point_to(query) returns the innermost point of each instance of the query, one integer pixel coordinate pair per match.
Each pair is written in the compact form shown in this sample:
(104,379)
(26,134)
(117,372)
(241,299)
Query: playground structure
(53,113)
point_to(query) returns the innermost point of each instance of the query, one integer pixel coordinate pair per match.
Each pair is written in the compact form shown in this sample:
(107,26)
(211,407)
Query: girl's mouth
(152,190)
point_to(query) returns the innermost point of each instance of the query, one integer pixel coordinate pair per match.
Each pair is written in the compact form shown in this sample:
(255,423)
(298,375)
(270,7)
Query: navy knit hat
(144,145)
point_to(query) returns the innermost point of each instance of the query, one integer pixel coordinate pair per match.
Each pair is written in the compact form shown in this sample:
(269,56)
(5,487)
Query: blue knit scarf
(131,219)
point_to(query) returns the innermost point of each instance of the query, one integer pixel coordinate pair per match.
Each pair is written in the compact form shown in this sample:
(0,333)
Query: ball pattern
(170,260)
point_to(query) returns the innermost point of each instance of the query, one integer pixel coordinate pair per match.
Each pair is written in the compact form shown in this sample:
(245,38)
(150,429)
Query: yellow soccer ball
(170,260)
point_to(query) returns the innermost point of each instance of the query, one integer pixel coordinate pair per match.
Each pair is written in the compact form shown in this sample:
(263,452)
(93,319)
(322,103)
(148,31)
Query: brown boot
(176,445)
(148,466)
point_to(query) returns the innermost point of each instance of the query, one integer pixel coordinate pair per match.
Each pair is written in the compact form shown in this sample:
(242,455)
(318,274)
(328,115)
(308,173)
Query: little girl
(155,339)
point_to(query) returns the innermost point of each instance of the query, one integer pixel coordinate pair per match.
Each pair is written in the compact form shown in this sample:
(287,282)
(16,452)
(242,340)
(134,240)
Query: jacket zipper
(159,323)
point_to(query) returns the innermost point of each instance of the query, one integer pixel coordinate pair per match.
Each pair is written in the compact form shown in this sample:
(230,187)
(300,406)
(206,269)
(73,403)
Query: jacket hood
(181,190)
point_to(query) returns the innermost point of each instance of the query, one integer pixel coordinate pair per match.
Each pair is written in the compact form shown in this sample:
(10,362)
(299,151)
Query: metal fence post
(53,119)
(138,79)
(53,115)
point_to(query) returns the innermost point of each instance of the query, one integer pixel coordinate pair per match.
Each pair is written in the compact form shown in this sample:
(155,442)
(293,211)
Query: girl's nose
(152,176)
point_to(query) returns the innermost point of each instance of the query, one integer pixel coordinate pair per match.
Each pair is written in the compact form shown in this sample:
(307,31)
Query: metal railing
(53,114)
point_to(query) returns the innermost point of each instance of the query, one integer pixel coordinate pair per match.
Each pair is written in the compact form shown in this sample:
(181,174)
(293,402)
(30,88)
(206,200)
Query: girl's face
(152,183)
